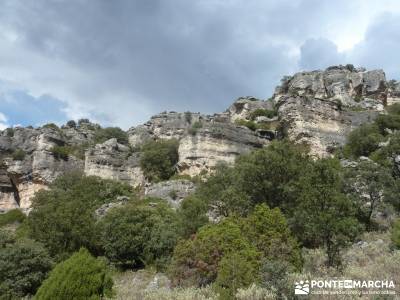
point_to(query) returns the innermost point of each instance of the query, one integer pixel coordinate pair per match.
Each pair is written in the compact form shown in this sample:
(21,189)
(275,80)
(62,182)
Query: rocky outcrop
(172,191)
(112,160)
(244,106)
(320,108)
(213,143)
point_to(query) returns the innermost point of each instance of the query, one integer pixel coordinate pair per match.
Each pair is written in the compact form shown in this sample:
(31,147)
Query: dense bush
(103,134)
(195,127)
(230,252)
(363,141)
(10,132)
(79,277)
(192,215)
(139,235)
(324,215)
(61,152)
(262,113)
(249,124)
(63,219)
(371,187)
(158,159)
(24,264)
(12,216)
(195,261)
(51,126)
(18,154)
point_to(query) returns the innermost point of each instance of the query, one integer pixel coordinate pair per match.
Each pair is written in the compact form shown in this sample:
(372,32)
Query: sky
(119,62)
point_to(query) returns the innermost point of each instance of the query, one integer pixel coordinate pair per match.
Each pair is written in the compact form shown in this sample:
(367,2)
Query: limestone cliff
(318,108)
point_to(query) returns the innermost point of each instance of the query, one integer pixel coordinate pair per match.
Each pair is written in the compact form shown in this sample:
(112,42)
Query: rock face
(318,108)
(173,191)
(112,160)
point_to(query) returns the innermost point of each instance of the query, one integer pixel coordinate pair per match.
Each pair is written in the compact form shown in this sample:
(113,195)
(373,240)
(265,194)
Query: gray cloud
(121,61)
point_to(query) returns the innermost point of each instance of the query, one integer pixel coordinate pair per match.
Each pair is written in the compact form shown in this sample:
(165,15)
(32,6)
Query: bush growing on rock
(12,216)
(103,134)
(24,264)
(79,277)
(62,218)
(18,154)
(158,159)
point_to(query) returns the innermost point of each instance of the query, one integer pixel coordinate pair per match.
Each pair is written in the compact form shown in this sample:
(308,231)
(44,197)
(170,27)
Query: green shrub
(195,127)
(61,152)
(79,277)
(10,132)
(158,159)
(62,218)
(192,215)
(396,234)
(12,216)
(268,231)
(262,113)
(18,154)
(51,126)
(391,122)
(249,124)
(103,134)
(363,141)
(236,270)
(24,264)
(133,236)
(196,261)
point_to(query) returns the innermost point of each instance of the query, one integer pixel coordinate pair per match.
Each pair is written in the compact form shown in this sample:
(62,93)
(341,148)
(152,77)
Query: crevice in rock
(15,192)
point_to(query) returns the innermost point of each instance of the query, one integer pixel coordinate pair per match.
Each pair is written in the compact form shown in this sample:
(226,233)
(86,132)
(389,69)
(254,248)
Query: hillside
(245,204)
(318,108)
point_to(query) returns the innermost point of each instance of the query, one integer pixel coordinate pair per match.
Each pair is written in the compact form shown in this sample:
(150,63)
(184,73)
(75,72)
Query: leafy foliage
(262,113)
(24,264)
(103,134)
(62,218)
(324,215)
(158,159)
(363,141)
(371,187)
(18,154)
(195,127)
(61,152)
(12,216)
(79,277)
(192,215)
(229,252)
(138,235)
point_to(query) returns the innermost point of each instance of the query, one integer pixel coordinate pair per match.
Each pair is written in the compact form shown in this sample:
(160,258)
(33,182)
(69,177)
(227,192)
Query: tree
(363,141)
(268,231)
(324,215)
(196,261)
(367,184)
(158,159)
(192,215)
(138,235)
(236,270)
(62,218)
(24,264)
(79,277)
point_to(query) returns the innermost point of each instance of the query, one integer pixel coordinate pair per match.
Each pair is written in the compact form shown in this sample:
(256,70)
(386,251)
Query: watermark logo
(344,286)
(302,288)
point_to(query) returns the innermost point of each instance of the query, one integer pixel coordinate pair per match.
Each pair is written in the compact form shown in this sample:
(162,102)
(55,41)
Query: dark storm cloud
(122,61)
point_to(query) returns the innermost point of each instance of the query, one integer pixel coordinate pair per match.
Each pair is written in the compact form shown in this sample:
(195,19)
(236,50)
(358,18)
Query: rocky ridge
(318,108)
